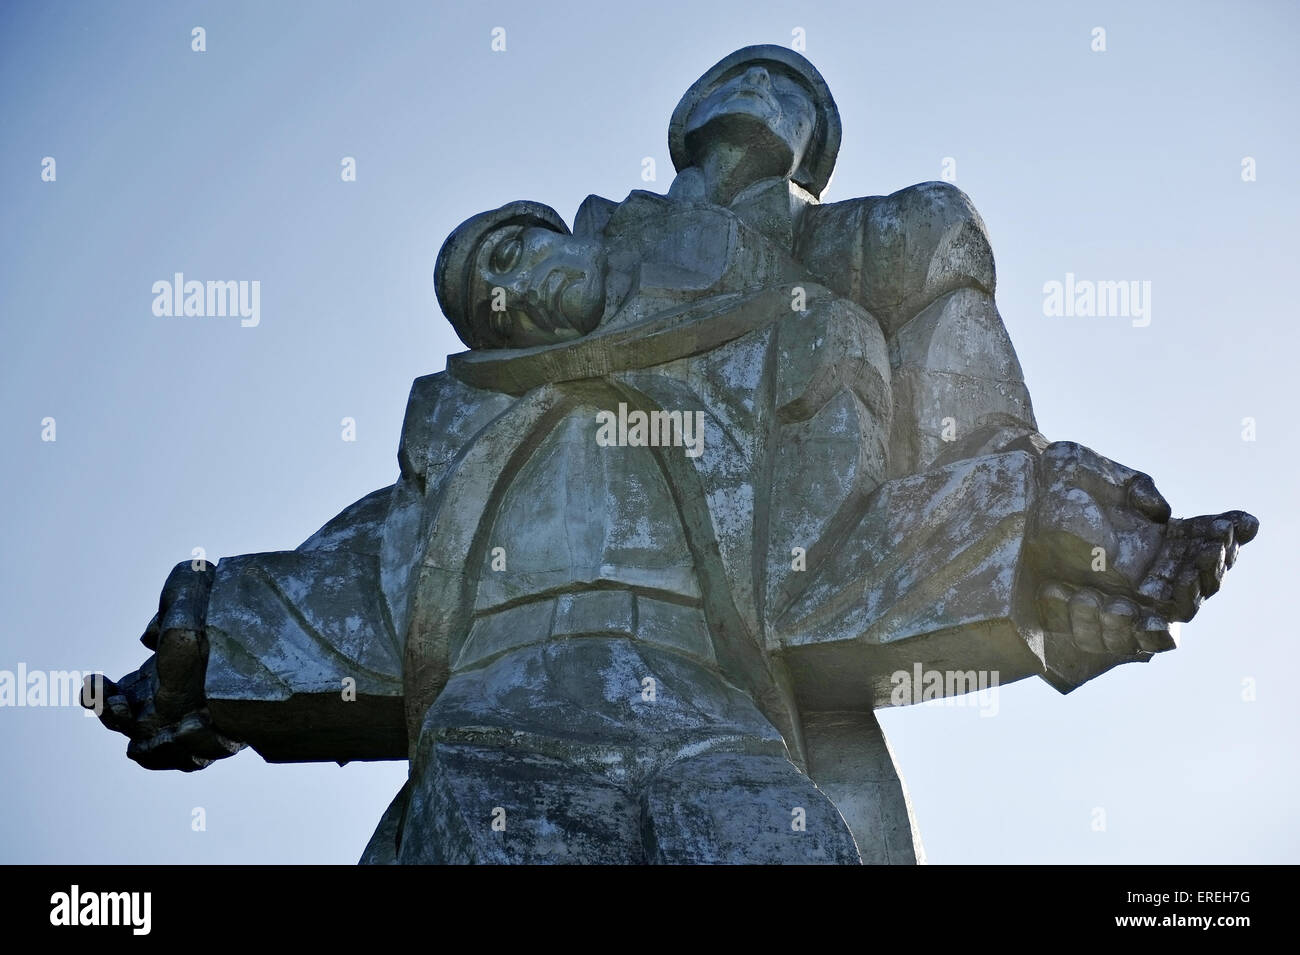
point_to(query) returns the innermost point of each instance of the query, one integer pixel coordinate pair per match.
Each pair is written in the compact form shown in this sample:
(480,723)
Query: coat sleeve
(932,570)
(303,657)
(306,647)
(920,261)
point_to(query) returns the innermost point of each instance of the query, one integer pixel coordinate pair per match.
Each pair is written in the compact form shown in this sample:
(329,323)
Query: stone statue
(717,467)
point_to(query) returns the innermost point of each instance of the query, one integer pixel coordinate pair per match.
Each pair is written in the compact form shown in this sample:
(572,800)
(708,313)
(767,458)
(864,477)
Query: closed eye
(506,255)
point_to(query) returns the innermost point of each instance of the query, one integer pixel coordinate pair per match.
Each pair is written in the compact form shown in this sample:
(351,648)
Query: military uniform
(620,565)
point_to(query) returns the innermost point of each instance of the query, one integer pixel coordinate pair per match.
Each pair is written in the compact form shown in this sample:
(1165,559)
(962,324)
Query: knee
(741,808)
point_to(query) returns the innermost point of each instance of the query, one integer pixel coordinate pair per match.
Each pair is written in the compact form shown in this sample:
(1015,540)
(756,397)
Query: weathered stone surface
(719,466)
(851,760)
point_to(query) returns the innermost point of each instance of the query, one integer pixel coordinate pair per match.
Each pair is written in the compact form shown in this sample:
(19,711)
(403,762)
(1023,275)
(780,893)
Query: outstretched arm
(919,261)
(1001,531)
(1062,564)
(300,653)
(292,652)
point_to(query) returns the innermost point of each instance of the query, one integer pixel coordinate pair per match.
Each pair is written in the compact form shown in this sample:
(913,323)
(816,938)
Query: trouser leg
(560,753)
(741,808)
(496,804)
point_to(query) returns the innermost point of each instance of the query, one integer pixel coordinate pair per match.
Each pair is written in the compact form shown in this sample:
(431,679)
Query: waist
(672,625)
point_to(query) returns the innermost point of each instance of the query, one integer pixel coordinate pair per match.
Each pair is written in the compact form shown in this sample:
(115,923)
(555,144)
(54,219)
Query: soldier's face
(766,110)
(534,286)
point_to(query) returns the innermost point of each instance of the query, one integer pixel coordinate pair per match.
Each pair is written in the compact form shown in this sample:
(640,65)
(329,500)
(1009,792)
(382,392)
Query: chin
(583,313)
(748,128)
(739,113)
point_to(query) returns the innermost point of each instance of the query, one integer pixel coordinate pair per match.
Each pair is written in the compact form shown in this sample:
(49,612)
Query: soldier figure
(596,652)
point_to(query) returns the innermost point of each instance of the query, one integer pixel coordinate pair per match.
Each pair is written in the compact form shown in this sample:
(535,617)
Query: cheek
(707,108)
(539,245)
(804,124)
(593,292)
(500,326)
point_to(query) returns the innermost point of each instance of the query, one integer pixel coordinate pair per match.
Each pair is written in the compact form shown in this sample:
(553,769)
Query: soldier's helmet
(814,172)
(454,274)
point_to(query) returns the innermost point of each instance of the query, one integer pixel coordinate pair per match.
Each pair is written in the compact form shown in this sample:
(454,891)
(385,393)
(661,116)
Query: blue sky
(172,434)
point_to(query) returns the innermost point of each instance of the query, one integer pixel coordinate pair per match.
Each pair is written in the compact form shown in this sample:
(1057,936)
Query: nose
(758,76)
(518,283)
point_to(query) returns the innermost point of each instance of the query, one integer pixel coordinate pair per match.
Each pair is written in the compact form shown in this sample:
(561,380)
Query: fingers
(1154,634)
(160,706)
(161,736)
(1085,620)
(1144,498)
(182,662)
(191,744)
(1195,555)
(1095,623)
(1109,482)
(1211,564)
(1116,620)
(184,599)
(1073,465)
(122,704)
(1157,588)
(176,633)
(1241,529)
(1054,607)
(163,751)
(1187,592)
(196,733)
(1245,526)
(109,702)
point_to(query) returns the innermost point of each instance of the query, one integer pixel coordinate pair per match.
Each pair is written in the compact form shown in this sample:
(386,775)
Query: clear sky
(173,434)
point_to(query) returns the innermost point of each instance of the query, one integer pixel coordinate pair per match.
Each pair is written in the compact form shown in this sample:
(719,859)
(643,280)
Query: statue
(717,467)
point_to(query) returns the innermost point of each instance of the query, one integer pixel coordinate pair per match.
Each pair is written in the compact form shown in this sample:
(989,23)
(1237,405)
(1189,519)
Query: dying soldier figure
(617,651)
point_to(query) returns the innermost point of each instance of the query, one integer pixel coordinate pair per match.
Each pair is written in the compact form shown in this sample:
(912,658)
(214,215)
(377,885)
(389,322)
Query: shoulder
(358,528)
(944,234)
(442,416)
(901,251)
